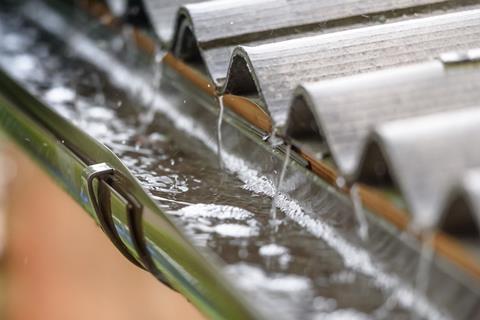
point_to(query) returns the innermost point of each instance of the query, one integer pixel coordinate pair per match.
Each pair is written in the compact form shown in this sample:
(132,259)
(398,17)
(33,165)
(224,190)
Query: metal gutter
(191,81)
(67,154)
(372,198)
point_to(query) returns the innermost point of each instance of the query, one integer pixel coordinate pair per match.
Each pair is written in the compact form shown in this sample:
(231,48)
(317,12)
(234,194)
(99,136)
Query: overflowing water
(129,47)
(422,277)
(310,271)
(281,177)
(359,213)
(219,130)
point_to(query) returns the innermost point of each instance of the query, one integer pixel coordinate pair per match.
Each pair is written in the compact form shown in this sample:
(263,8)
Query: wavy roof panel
(359,77)
(277,68)
(211,30)
(341,113)
(426,156)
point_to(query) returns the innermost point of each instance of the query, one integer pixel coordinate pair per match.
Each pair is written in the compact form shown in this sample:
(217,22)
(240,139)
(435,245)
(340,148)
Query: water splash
(359,213)
(274,140)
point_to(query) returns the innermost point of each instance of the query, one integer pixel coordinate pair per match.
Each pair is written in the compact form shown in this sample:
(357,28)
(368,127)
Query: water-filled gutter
(213,303)
(70,156)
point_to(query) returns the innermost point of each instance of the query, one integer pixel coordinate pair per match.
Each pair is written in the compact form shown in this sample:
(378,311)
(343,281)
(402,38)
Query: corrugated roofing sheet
(278,68)
(337,116)
(418,122)
(462,211)
(162,14)
(426,156)
(209,31)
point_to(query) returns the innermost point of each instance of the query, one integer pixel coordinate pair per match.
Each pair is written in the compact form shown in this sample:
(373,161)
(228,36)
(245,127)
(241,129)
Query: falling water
(281,177)
(274,139)
(422,278)
(359,213)
(100,94)
(128,35)
(146,119)
(149,116)
(157,67)
(219,130)
(340,182)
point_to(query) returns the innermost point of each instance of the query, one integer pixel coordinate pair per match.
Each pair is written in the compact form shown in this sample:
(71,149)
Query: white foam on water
(99,113)
(15,43)
(22,66)
(342,314)
(235,230)
(206,218)
(343,277)
(324,304)
(252,278)
(272,249)
(353,256)
(59,95)
(221,212)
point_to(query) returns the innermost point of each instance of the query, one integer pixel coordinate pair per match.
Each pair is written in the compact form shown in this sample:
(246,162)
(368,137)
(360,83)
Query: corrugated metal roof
(162,14)
(278,68)
(209,31)
(301,188)
(425,156)
(462,211)
(337,116)
(418,122)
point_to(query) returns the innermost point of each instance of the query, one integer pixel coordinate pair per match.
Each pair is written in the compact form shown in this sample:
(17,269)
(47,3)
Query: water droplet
(341,182)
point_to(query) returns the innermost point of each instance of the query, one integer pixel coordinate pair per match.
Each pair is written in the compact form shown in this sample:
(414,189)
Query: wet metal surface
(304,270)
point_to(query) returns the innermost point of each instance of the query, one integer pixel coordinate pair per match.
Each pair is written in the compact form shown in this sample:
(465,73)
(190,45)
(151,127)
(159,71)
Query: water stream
(359,213)
(219,130)
(275,222)
(422,277)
